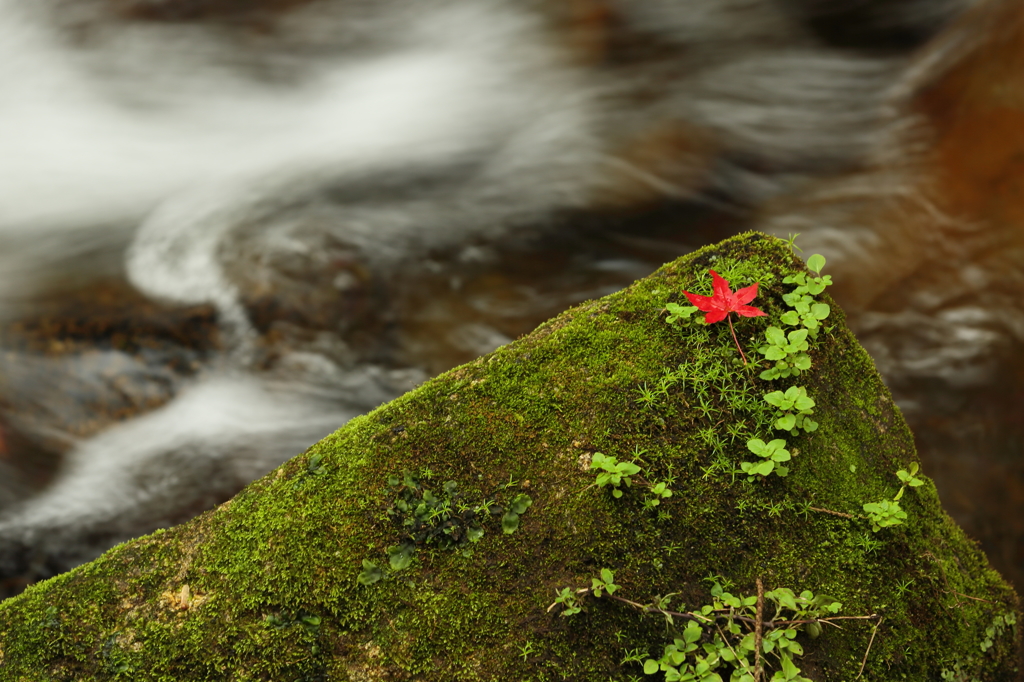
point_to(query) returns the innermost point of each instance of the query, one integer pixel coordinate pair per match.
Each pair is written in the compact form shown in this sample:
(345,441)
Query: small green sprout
(606,583)
(806,311)
(884,514)
(613,472)
(370,574)
(510,521)
(569,600)
(791,242)
(909,478)
(400,556)
(659,491)
(772,453)
(526,650)
(996,629)
(678,312)
(889,513)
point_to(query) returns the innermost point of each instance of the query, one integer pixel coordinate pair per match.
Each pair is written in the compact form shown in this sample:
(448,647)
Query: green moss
(290,546)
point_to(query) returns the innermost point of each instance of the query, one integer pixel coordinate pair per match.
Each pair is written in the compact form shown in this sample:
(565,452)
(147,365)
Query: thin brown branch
(726,640)
(870,642)
(833,513)
(759,617)
(823,620)
(961,594)
(729,614)
(942,572)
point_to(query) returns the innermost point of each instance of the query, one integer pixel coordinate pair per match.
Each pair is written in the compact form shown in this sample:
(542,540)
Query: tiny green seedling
(909,478)
(773,453)
(370,574)
(314,467)
(616,474)
(526,650)
(996,629)
(510,521)
(884,514)
(806,311)
(659,491)
(446,520)
(888,513)
(720,635)
(791,242)
(613,472)
(570,601)
(678,312)
(606,583)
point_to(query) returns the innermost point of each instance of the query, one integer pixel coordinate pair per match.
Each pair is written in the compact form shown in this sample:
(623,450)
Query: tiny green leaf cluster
(909,478)
(678,312)
(446,520)
(612,472)
(720,636)
(806,311)
(606,583)
(962,669)
(997,628)
(884,514)
(571,601)
(314,467)
(510,519)
(794,409)
(888,513)
(772,454)
(788,351)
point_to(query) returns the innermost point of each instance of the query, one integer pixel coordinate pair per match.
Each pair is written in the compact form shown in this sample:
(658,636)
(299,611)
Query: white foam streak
(230,427)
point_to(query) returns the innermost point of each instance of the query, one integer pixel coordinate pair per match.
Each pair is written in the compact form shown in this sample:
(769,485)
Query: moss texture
(265,586)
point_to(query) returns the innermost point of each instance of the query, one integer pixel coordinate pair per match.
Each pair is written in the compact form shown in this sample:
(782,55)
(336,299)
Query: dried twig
(758,668)
(870,642)
(833,513)
(729,614)
(961,594)
(735,655)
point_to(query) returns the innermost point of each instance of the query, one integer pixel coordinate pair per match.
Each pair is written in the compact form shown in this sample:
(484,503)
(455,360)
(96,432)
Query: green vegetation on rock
(286,581)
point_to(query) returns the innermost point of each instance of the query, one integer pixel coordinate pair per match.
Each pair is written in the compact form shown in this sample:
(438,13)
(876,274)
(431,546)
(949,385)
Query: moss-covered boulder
(621,442)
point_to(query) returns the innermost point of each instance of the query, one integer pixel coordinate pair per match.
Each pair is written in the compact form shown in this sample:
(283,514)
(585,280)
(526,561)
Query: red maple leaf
(723,302)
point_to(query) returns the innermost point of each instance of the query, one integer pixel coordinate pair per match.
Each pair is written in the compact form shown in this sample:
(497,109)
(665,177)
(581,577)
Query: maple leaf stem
(734,339)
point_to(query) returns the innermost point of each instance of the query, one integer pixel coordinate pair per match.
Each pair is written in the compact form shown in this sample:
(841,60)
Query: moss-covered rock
(270,586)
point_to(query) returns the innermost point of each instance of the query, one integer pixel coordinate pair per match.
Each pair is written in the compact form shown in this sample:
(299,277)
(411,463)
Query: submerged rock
(429,539)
